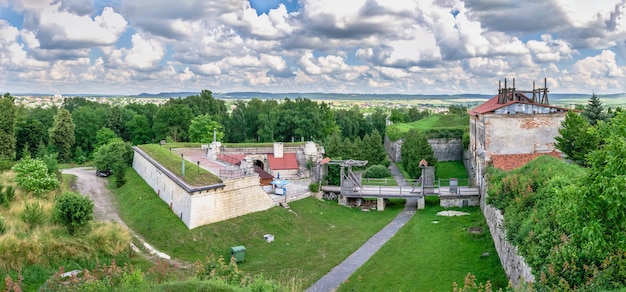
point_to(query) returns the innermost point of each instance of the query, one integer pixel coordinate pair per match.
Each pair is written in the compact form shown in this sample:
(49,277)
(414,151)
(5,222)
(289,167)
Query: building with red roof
(512,128)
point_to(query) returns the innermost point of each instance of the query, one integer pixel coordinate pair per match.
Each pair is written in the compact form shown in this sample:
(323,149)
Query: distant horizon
(165,93)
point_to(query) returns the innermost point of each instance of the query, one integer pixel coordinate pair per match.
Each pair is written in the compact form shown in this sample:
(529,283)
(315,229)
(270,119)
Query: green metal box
(239,253)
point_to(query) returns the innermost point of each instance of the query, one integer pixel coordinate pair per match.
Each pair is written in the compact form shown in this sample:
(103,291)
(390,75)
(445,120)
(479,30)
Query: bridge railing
(411,182)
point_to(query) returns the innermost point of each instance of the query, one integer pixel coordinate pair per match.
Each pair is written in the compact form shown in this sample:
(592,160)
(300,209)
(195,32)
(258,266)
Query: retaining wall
(514,265)
(197,206)
(444,149)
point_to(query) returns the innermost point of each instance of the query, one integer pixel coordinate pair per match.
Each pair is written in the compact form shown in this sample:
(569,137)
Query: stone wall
(240,196)
(197,206)
(444,149)
(514,265)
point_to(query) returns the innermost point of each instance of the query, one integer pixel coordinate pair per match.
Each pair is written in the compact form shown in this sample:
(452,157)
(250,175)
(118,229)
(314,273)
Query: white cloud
(145,54)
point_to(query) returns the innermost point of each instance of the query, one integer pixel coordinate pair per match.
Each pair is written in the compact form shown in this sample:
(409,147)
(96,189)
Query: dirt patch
(475,230)
(452,213)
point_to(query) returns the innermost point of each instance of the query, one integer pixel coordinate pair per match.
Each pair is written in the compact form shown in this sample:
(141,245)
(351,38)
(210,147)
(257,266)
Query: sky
(330,46)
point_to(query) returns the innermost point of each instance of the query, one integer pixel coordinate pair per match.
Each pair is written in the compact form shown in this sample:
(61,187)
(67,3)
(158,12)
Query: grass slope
(310,239)
(424,256)
(451,169)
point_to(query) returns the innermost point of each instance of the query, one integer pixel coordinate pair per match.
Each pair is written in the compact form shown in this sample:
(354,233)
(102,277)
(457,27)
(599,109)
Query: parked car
(104,173)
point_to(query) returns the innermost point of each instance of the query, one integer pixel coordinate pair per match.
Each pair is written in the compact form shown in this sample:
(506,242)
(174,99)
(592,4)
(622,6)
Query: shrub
(5,164)
(74,210)
(314,187)
(3,227)
(33,214)
(32,175)
(9,192)
(377,171)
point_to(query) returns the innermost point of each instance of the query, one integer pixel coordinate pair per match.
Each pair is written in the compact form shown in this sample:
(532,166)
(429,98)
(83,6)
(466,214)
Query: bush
(32,175)
(377,171)
(9,192)
(33,214)
(314,187)
(5,164)
(74,210)
(3,227)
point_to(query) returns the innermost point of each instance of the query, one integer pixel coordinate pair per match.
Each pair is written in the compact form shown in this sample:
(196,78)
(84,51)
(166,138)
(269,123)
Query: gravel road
(87,183)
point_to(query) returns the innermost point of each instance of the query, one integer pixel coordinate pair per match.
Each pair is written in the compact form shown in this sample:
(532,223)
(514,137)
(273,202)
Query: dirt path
(87,183)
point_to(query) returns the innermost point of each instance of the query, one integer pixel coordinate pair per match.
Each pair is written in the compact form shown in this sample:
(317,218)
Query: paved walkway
(343,271)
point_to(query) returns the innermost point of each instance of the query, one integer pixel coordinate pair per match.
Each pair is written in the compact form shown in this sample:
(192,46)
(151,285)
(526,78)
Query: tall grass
(37,251)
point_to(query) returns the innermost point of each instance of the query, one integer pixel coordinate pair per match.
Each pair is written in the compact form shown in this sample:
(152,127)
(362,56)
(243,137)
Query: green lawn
(424,256)
(434,121)
(389,181)
(310,239)
(451,169)
(193,175)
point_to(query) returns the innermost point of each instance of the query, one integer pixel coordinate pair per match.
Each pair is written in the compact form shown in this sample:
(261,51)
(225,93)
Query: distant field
(440,122)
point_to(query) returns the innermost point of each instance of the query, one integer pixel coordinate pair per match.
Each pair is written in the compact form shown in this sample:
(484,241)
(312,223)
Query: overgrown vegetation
(34,246)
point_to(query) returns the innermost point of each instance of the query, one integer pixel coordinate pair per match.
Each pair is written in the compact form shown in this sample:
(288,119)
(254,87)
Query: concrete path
(343,271)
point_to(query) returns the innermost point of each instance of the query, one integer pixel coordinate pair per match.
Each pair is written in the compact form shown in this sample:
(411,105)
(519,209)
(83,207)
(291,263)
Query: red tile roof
(508,162)
(289,161)
(232,158)
(492,104)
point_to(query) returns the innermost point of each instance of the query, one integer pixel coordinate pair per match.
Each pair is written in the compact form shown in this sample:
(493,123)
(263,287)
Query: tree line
(76,129)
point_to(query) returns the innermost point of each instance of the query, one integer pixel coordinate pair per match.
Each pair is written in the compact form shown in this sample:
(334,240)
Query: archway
(259,164)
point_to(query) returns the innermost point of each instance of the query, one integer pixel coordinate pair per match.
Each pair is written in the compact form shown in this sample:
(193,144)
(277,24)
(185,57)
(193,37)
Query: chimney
(278,149)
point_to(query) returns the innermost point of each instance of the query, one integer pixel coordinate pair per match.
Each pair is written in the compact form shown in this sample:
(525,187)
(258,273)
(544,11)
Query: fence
(256,150)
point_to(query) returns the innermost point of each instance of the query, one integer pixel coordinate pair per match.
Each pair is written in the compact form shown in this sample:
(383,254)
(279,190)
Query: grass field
(451,169)
(424,256)
(193,175)
(389,181)
(310,238)
(433,122)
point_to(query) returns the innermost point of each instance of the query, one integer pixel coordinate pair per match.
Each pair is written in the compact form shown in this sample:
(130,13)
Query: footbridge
(352,188)
(455,196)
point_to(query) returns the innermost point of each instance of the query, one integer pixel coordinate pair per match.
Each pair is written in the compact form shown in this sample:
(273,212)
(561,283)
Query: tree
(415,148)
(74,210)
(202,128)
(594,111)
(576,139)
(104,136)
(139,129)
(29,133)
(88,121)
(7,127)
(62,136)
(32,175)
(172,121)
(373,149)
(378,119)
(115,155)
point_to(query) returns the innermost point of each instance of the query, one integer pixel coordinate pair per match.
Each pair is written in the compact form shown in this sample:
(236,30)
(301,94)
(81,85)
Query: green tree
(115,155)
(7,127)
(73,210)
(62,136)
(32,175)
(139,129)
(104,136)
(30,133)
(172,121)
(202,127)
(88,120)
(415,148)
(457,109)
(373,149)
(594,111)
(576,139)
(378,119)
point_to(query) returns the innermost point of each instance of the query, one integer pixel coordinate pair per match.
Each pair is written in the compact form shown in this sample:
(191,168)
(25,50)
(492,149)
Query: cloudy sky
(346,46)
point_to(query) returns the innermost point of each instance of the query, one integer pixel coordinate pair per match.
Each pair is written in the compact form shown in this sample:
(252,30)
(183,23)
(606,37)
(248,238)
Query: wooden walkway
(400,191)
